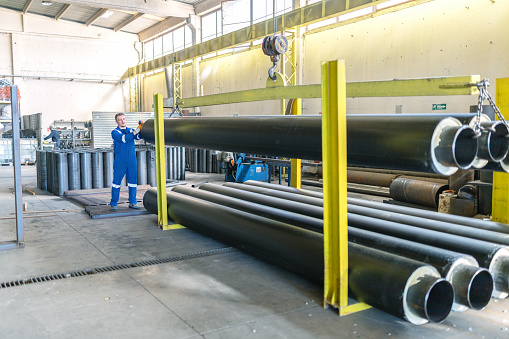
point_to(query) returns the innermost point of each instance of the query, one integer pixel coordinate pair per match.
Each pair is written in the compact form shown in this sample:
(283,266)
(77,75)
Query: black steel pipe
(73,165)
(426,143)
(493,142)
(86,170)
(454,219)
(151,168)
(413,291)
(493,256)
(299,220)
(141,164)
(97,169)
(257,198)
(277,193)
(108,167)
(61,173)
(473,286)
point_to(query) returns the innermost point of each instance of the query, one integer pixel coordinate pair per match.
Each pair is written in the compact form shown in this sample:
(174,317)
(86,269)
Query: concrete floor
(229,295)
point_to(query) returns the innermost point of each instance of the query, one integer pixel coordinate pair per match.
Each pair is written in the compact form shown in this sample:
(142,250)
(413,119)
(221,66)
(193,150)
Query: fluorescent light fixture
(46,3)
(356,14)
(390,3)
(107,14)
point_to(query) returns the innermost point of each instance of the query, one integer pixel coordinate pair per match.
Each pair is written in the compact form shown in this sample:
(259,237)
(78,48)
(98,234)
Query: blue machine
(238,170)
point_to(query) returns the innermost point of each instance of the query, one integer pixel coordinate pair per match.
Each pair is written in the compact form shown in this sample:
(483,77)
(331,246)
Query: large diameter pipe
(141,164)
(258,198)
(44,170)
(61,173)
(426,144)
(73,165)
(454,219)
(97,169)
(413,291)
(108,167)
(86,170)
(151,168)
(473,286)
(493,256)
(299,220)
(416,191)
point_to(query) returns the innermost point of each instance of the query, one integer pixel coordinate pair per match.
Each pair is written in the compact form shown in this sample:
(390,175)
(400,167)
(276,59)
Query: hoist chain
(485,95)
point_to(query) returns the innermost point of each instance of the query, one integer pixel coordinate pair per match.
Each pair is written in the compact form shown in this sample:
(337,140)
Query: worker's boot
(134,206)
(114,208)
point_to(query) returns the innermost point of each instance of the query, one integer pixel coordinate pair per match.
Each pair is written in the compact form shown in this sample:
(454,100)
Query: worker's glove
(136,130)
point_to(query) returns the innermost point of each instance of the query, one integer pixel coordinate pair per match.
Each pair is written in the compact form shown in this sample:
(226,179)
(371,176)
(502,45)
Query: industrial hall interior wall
(34,46)
(433,39)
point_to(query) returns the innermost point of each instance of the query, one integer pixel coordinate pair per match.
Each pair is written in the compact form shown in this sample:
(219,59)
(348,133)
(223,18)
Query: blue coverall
(124,163)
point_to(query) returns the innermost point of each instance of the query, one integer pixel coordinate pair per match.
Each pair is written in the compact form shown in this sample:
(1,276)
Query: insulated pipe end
(498,141)
(473,287)
(453,146)
(427,297)
(499,269)
(481,289)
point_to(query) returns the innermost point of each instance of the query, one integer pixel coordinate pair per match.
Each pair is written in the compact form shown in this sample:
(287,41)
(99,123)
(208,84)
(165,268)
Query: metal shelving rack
(72,124)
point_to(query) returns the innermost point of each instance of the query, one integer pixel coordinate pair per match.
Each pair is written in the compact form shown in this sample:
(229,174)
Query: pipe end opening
(439,301)
(464,147)
(480,290)
(498,142)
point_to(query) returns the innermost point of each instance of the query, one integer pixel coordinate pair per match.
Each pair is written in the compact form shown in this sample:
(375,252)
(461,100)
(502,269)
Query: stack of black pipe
(80,169)
(202,161)
(285,228)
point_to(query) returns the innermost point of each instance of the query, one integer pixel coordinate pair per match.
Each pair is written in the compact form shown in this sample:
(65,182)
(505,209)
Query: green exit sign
(439,107)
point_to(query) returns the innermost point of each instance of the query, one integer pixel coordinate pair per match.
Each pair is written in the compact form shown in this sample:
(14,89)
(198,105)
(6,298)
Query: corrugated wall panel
(104,122)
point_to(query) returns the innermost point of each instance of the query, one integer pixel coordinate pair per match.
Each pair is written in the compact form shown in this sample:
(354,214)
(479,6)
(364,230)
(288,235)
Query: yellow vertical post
(500,203)
(162,206)
(295,169)
(335,222)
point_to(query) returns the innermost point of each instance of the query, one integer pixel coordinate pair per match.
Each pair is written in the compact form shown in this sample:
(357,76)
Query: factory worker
(55,137)
(125,161)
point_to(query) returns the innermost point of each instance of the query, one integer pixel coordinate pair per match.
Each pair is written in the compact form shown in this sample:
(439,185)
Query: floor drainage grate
(105,269)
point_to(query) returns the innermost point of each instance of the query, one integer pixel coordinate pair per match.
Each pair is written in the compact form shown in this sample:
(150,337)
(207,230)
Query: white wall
(37,46)
(438,38)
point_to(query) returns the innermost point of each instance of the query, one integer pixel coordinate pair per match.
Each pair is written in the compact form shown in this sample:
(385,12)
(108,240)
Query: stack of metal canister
(202,161)
(79,169)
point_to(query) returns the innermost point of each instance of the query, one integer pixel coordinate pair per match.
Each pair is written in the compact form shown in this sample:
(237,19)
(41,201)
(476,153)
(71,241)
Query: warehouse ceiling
(133,16)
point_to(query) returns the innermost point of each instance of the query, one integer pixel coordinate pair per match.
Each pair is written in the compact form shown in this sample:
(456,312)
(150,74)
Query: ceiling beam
(127,22)
(96,16)
(155,7)
(161,27)
(62,12)
(27,6)
(207,6)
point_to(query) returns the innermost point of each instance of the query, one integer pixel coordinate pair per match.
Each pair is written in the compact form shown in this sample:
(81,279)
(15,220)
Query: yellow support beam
(500,203)
(162,205)
(335,222)
(463,85)
(296,164)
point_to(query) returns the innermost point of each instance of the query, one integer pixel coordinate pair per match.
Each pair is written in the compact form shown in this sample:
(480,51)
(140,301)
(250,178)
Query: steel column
(162,213)
(500,204)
